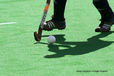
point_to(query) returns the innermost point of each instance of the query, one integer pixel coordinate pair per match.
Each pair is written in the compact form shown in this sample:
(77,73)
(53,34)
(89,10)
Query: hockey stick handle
(45,13)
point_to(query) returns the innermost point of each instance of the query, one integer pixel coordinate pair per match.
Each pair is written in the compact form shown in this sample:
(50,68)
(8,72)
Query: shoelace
(106,26)
(50,24)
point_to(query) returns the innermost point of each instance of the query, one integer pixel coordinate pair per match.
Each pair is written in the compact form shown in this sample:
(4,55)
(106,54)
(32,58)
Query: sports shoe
(52,24)
(105,26)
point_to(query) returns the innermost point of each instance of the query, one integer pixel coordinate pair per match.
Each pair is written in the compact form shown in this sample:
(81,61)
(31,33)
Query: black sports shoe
(105,26)
(52,24)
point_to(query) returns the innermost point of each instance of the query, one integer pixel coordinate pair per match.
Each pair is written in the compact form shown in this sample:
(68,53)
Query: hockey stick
(38,35)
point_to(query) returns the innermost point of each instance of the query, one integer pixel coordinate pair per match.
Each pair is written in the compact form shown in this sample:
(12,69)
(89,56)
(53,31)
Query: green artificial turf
(78,51)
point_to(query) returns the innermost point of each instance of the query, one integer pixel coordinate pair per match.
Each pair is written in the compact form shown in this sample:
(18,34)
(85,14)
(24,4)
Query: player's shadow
(63,47)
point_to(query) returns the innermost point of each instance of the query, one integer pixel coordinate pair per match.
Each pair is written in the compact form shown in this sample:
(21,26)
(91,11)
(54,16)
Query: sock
(59,8)
(104,9)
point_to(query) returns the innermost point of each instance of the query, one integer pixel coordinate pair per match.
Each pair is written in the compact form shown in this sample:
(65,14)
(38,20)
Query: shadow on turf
(77,48)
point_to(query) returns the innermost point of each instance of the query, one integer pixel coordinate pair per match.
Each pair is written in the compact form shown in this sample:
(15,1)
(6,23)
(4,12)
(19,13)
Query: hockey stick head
(37,36)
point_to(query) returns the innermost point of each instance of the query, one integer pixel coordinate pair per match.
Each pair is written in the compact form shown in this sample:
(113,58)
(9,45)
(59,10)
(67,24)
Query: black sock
(59,8)
(104,9)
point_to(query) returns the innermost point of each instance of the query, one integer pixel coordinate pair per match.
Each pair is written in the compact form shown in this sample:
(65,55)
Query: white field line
(7,23)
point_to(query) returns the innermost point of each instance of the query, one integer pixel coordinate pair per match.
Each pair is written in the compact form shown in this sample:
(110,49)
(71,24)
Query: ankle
(58,20)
